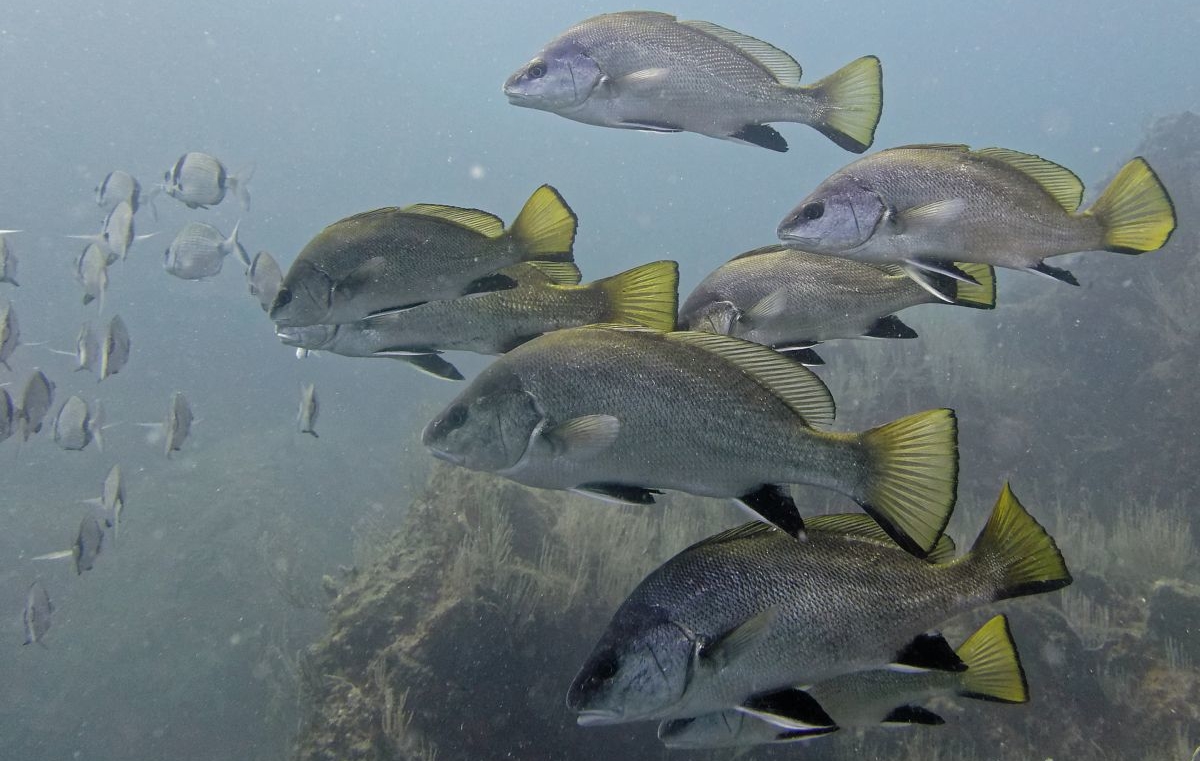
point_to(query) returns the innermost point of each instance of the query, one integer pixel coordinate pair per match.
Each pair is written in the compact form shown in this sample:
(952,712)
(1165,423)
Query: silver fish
(307,417)
(927,206)
(265,279)
(35,403)
(791,299)
(199,250)
(118,232)
(91,270)
(112,499)
(199,180)
(650,71)
(178,423)
(751,611)
(76,425)
(623,412)
(88,543)
(8,263)
(988,668)
(115,351)
(87,349)
(10,335)
(9,415)
(38,610)
(118,186)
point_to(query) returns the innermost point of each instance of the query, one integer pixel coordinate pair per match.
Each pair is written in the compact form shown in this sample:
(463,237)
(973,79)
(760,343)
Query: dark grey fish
(35,403)
(76,425)
(91,270)
(115,351)
(8,263)
(88,543)
(265,279)
(178,423)
(200,180)
(116,187)
(650,71)
(38,610)
(10,335)
(199,250)
(8,415)
(307,417)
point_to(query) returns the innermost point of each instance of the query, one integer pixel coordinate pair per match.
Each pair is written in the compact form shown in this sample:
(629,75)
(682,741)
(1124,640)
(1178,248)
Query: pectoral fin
(582,437)
(768,308)
(646,125)
(362,276)
(931,214)
(729,646)
(431,364)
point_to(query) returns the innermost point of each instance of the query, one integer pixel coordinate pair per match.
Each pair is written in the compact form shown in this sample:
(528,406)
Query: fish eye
(606,668)
(455,417)
(813,210)
(536,70)
(283,298)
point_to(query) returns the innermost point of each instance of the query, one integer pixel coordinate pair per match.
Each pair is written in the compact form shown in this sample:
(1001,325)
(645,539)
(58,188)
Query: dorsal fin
(761,250)
(778,64)
(793,383)
(957,147)
(744,531)
(368,216)
(473,219)
(863,525)
(1056,180)
(559,273)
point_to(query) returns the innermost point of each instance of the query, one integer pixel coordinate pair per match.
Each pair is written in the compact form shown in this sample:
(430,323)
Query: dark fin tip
(913,715)
(1126,250)
(793,704)
(802,354)
(842,140)
(890,326)
(762,136)
(776,506)
(930,651)
(906,542)
(1063,275)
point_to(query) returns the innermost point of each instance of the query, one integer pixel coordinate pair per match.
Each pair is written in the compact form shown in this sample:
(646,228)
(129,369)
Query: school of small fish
(786,628)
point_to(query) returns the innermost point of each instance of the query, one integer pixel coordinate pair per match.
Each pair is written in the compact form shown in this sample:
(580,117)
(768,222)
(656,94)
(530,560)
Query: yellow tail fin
(1016,553)
(978,295)
(993,667)
(912,477)
(1134,210)
(852,100)
(647,295)
(545,228)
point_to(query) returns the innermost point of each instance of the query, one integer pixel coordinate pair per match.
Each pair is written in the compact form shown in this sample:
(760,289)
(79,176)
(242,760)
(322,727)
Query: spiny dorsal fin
(778,64)
(559,273)
(955,147)
(774,249)
(795,385)
(473,219)
(864,526)
(1056,180)
(744,531)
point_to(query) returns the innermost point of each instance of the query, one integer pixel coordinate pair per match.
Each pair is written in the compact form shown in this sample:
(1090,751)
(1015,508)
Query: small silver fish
(115,352)
(35,403)
(8,263)
(76,425)
(116,187)
(38,610)
(88,543)
(112,499)
(307,417)
(87,349)
(199,180)
(91,270)
(8,415)
(178,423)
(265,279)
(10,335)
(199,250)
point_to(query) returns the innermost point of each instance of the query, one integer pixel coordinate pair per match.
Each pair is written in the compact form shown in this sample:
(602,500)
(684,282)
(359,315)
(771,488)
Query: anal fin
(619,493)
(1054,273)
(929,652)
(890,326)
(789,709)
(913,715)
(489,283)
(762,136)
(805,355)
(773,503)
(645,125)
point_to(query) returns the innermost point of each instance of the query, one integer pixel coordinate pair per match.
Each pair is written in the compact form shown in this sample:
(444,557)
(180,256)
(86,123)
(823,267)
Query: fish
(76,425)
(91,270)
(112,500)
(115,351)
(35,403)
(496,322)
(8,263)
(87,349)
(790,299)
(199,181)
(751,611)
(178,423)
(10,335)
(9,415)
(306,418)
(117,233)
(199,250)
(88,543)
(118,186)
(650,71)
(38,612)
(397,257)
(926,206)
(988,667)
(265,278)
(622,413)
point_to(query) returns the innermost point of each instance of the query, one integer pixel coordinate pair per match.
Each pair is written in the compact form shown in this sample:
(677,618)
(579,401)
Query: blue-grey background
(177,645)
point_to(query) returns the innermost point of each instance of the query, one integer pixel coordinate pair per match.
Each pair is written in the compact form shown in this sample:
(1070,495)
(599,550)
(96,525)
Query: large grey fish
(265,278)
(8,263)
(199,180)
(9,415)
(10,335)
(115,351)
(988,668)
(199,250)
(650,71)
(496,322)
(793,299)
(35,403)
(178,423)
(391,258)
(88,543)
(91,270)
(752,611)
(306,418)
(38,611)
(118,186)
(76,425)
(622,412)
(927,206)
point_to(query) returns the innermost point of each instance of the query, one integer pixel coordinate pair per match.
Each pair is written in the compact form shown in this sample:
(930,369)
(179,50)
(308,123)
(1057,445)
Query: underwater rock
(1175,616)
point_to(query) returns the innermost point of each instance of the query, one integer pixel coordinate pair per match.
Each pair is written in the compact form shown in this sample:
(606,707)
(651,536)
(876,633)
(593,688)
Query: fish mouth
(597,717)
